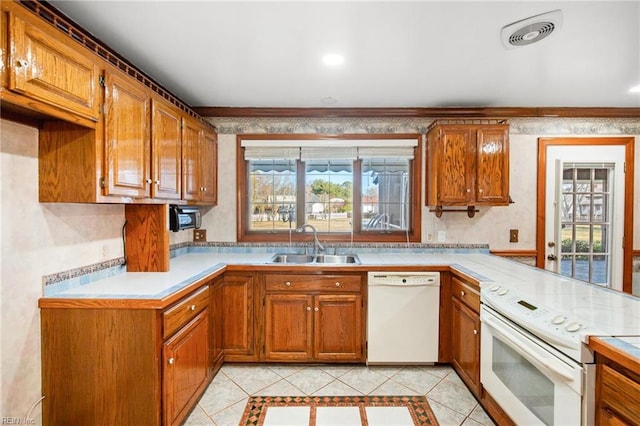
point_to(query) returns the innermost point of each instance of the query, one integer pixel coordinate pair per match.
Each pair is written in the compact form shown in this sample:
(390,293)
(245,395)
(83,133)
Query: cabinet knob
(288,283)
(337,284)
(475,331)
(157,182)
(192,307)
(480,190)
(22,63)
(316,309)
(462,293)
(308,308)
(149,180)
(171,360)
(468,190)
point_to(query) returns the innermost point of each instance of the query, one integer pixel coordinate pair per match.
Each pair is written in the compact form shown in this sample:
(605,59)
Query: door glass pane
(524,380)
(585,215)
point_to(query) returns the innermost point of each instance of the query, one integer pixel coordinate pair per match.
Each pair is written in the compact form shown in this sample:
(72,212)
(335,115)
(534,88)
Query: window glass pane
(272,189)
(583,180)
(385,194)
(329,194)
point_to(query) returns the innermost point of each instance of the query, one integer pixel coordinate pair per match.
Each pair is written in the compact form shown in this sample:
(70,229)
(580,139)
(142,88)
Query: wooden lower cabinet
(338,327)
(313,318)
(185,360)
(617,394)
(238,290)
(124,365)
(465,321)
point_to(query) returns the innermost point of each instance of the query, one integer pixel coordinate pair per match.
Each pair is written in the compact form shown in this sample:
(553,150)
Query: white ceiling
(397,54)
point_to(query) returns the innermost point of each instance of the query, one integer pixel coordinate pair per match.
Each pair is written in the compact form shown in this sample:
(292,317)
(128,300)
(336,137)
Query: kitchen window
(350,188)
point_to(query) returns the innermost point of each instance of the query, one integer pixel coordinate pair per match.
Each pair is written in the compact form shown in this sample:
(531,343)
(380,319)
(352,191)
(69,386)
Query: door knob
(551,243)
(552,257)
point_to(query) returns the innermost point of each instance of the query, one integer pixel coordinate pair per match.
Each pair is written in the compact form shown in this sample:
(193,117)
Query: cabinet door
(338,331)
(191,162)
(208,169)
(492,171)
(127,137)
(288,327)
(186,368)
(216,323)
(166,151)
(51,70)
(456,165)
(466,344)
(238,334)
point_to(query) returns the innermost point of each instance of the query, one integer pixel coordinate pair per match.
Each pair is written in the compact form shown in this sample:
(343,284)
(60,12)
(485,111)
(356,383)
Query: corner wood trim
(504,112)
(515,253)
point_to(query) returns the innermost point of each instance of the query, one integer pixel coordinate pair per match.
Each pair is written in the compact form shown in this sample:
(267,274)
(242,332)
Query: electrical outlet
(513,235)
(199,235)
(441,236)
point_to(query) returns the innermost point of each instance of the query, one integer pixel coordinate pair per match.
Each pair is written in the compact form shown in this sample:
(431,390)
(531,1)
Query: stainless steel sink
(320,258)
(330,258)
(292,258)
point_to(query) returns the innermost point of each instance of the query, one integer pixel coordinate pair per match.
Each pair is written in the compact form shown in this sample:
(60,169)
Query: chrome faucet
(317,247)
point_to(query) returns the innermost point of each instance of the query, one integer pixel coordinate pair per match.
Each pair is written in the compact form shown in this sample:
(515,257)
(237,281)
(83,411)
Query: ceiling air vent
(531,30)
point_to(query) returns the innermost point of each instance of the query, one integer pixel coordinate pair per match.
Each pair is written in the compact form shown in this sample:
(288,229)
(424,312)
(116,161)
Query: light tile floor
(224,400)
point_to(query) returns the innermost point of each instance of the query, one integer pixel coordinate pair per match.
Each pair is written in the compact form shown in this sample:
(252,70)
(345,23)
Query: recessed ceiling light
(635,89)
(333,59)
(329,100)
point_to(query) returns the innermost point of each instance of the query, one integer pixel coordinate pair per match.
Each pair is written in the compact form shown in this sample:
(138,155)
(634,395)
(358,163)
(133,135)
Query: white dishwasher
(402,317)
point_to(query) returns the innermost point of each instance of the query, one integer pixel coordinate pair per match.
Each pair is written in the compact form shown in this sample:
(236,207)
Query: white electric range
(534,356)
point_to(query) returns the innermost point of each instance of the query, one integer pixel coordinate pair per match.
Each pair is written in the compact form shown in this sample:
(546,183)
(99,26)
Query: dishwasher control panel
(400,279)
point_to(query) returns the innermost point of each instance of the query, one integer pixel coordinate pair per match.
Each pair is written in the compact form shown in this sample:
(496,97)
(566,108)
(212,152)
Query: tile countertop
(609,313)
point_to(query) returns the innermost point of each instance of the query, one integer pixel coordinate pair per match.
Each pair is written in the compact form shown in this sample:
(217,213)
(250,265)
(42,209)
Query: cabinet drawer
(183,311)
(307,282)
(620,393)
(467,294)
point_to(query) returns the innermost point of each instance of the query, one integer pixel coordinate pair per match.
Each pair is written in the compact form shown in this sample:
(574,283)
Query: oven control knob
(495,287)
(572,327)
(559,319)
(502,291)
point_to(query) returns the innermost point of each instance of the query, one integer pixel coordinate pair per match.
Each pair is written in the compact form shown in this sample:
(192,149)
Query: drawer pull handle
(171,360)
(337,284)
(462,293)
(475,331)
(288,283)
(308,308)
(192,307)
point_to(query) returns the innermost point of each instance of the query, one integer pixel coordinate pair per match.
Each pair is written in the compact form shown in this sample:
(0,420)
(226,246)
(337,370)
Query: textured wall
(490,226)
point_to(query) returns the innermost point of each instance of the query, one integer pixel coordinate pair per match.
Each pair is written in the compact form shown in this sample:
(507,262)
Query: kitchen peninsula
(198,282)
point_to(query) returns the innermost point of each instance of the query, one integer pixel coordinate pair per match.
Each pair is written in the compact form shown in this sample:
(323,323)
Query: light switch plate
(513,235)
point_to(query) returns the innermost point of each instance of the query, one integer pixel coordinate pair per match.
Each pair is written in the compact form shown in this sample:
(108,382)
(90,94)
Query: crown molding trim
(453,112)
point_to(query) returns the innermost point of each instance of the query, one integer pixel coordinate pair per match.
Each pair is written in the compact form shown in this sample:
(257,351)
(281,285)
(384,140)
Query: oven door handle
(540,360)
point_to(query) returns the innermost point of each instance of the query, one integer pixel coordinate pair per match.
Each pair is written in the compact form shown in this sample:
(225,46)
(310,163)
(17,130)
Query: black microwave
(183,217)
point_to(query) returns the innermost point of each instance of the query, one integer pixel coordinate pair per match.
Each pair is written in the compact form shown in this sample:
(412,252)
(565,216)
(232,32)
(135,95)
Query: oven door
(533,383)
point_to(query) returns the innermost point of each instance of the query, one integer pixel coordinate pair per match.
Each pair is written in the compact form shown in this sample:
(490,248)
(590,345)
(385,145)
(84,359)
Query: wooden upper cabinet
(208,168)
(199,163)
(127,137)
(166,151)
(492,168)
(467,164)
(44,66)
(191,135)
